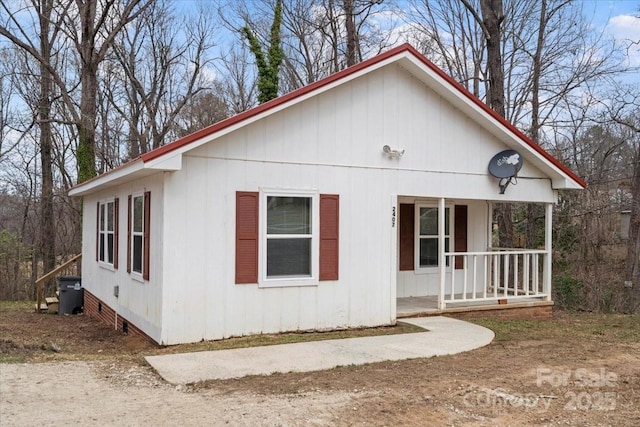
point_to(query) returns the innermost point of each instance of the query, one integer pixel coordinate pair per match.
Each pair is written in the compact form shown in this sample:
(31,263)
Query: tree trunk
(47,226)
(633,245)
(334,37)
(86,153)
(492,18)
(352,34)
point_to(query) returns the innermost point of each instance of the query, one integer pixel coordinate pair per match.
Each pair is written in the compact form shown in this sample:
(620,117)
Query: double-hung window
(289,238)
(138,234)
(107,232)
(427,241)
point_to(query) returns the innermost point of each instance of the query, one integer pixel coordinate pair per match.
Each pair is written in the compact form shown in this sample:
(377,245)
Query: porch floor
(428,305)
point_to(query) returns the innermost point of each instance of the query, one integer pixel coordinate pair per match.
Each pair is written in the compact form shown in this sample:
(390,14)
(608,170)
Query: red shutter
(329,236)
(97,231)
(460,233)
(116,226)
(407,235)
(129,234)
(147,223)
(247,237)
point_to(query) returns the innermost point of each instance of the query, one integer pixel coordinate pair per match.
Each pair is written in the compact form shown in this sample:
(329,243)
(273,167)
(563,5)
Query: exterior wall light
(392,154)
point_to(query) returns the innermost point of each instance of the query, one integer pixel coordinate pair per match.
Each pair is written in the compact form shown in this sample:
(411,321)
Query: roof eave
(108,179)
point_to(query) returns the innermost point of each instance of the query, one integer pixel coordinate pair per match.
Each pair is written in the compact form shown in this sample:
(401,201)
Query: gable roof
(169,156)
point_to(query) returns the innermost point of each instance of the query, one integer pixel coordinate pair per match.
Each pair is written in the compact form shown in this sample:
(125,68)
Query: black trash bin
(71,298)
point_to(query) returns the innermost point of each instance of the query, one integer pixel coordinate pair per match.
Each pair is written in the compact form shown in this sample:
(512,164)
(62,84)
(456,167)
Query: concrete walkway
(444,336)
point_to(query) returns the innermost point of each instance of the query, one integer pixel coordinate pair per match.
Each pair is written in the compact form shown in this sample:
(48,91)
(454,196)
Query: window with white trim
(427,242)
(106,231)
(137,233)
(289,237)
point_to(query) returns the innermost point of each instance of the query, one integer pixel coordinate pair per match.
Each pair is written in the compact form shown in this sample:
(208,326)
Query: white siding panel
(139,302)
(355,300)
(176,255)
(346,143)
(194,283)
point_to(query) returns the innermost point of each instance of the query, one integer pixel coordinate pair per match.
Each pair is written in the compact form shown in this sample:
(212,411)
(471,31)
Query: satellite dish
(505,165)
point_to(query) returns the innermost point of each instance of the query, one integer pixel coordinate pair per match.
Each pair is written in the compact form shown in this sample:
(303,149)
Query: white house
(325,208)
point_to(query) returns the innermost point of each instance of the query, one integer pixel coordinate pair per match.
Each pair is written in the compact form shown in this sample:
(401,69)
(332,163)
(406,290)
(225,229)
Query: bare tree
(205,108)
(165,60)
(238,85)
(305,48)
(549,56)
(47,226)
(100,23)
(490,20)
(91,26)
(447,34)
(7,92)
(319,37)
(626,112)
(47,35)
(633,247)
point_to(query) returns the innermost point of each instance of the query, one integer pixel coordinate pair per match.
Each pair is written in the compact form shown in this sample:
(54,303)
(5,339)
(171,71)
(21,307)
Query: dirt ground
(578,369)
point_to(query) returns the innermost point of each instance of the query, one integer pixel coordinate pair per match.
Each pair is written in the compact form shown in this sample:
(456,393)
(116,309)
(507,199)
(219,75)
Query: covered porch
(469,273)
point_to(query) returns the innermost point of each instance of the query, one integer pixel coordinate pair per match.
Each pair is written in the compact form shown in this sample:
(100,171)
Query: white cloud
(625,26)
(626,30)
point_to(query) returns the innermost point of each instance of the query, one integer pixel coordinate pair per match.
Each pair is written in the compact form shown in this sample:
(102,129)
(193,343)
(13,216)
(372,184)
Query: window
(107,236)
(288,237)
(138,234)
(427,243)
(412,241)
(294,234)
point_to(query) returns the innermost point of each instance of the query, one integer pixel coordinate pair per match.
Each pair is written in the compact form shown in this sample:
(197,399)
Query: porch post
(489,225)
(393,279)
(441,259)
(548,233)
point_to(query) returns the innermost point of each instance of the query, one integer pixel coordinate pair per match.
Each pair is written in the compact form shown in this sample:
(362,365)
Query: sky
(620,19)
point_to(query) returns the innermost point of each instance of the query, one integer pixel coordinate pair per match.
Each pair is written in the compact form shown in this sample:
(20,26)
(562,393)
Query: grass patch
(27,336)
(288,338)
(588,326)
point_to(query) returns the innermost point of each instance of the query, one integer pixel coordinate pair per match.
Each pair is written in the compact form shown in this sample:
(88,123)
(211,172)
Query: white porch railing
(495,275)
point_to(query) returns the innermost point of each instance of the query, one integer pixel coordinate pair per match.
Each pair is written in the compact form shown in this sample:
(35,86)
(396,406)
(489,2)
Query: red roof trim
(338,76)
